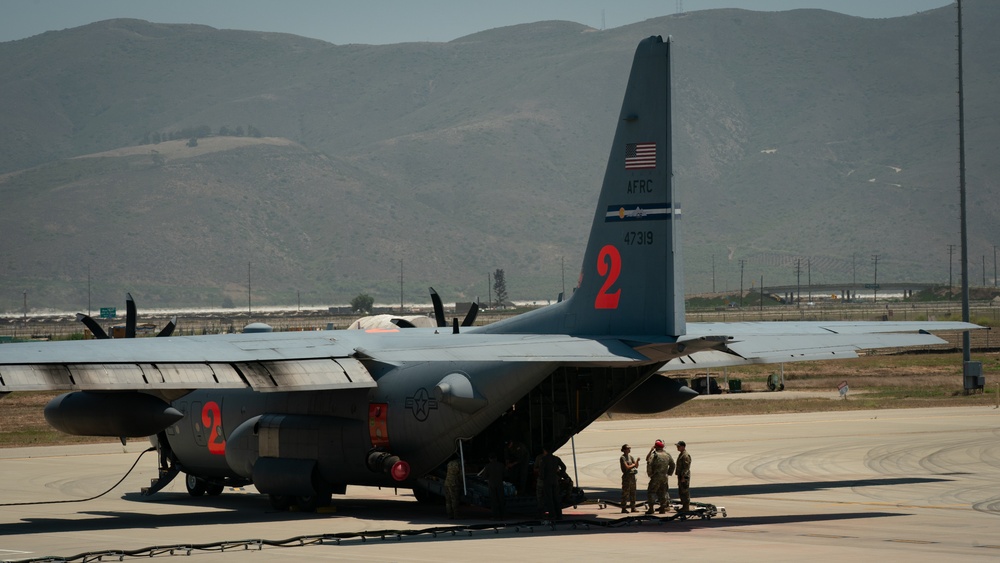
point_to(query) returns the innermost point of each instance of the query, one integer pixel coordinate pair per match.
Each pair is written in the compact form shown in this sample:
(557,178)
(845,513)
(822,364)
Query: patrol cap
(681,444)
(625,447)
(658,444)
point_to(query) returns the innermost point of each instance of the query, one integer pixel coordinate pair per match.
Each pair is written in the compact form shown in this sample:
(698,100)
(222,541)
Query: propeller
(130,322)
(402,323)
(438,308)
(470,317)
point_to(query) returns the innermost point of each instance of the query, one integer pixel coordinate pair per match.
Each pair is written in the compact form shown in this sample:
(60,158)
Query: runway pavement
(914,485)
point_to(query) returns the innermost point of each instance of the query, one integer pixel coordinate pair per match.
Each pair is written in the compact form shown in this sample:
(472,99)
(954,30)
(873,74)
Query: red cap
(658,444)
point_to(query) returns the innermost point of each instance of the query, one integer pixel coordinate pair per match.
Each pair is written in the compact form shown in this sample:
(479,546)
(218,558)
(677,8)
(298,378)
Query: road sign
(109,312)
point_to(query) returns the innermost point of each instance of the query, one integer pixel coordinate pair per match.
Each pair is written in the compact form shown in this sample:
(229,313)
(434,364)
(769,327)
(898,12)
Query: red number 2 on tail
(609,266)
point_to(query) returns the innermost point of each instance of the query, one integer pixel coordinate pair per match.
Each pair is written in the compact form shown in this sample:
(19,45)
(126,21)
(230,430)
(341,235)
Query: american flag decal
(639,156)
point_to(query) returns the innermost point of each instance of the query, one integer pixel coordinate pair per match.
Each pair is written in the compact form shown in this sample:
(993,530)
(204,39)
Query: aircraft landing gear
(281,502)
(196,486)
(424,496)
(313,502)
(309,503)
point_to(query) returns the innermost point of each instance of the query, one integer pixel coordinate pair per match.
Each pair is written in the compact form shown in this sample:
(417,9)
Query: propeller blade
(90,323)
(402,323)
(438,308)
(129,316)
(470,317)
(168,329)
(454,326)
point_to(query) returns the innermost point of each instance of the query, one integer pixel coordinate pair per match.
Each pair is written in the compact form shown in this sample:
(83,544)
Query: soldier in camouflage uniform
(659,465)
(629,466)
(683,476)
(452,487)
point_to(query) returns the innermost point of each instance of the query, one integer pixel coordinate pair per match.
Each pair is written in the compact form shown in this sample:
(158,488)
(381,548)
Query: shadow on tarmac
(729,491)
(235,509)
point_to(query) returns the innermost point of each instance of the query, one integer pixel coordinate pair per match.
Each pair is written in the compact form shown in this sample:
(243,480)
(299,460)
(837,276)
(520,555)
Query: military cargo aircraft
(303,415)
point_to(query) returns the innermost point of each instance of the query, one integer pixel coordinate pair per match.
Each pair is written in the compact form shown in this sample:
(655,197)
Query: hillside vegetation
(800,134)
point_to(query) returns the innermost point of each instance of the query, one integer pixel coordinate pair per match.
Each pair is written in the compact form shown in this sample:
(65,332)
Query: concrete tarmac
(893,485)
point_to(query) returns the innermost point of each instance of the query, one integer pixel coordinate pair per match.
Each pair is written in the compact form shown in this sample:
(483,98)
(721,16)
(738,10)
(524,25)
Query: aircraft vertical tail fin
(631,282)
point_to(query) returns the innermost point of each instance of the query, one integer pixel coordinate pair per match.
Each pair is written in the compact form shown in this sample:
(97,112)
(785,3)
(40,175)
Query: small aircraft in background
(303,415)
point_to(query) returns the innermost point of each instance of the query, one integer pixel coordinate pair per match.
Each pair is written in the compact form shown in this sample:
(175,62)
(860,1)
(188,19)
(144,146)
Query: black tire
(281,502)
(424,496)
(312,502)
(214,489)
(196,486)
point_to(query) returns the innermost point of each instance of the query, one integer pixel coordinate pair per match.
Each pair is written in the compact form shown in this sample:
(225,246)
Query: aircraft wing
(265,362)
(780,342)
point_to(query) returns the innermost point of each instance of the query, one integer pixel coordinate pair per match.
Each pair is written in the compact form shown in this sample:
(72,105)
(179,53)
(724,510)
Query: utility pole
(972,372)
(249,308)
(966,344)
(854,267)
(762,292)
(713,269)
(563,265)
(798,282)
(809,278)
(489,288)
(400,286)
(951,249)
(742,262)
(25,320)
(994,265)
(875,285)
(984,270)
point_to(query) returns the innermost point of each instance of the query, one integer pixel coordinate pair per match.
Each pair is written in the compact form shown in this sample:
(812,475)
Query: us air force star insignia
(421,404)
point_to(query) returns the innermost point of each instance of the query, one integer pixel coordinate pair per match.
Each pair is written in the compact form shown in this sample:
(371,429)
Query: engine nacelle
(656,394)
(119,414)
(296,454)
(294,477)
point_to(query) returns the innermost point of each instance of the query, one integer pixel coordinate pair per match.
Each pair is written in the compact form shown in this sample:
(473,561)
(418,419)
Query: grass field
(876,382)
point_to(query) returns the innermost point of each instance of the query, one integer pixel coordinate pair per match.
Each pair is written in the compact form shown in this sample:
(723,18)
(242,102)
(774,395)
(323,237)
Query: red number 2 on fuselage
(609,266)
(211,418)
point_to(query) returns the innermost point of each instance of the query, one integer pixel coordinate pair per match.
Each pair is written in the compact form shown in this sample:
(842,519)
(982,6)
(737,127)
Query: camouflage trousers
(452,495)
(658,491)
(684,492)
(628,490)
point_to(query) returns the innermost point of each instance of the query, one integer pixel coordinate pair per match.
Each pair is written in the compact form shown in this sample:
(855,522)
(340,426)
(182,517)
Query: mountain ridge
(481,153)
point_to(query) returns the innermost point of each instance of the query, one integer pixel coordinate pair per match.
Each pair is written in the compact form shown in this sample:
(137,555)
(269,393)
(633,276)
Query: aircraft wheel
(422,495)
(195,485)
(214,489)
(281,502)
(312,502)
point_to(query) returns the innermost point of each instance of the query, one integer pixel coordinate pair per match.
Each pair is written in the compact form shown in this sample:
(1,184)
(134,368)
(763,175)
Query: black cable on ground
(127,473)
(336,539)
